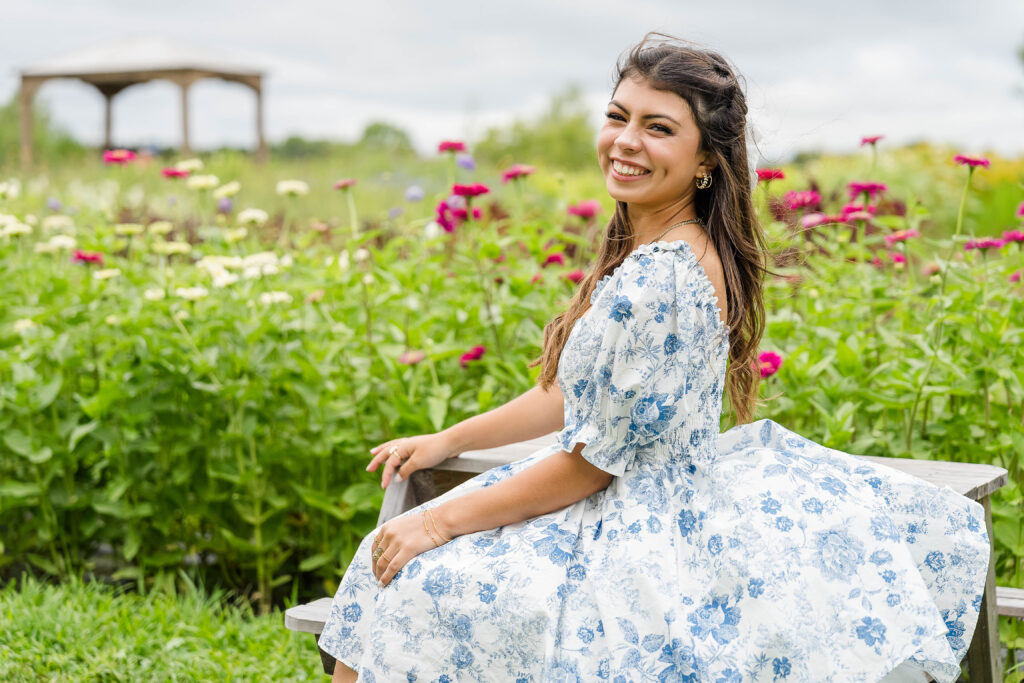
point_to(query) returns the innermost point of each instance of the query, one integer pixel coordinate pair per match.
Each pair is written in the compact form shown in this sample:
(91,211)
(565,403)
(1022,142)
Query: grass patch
(93,632)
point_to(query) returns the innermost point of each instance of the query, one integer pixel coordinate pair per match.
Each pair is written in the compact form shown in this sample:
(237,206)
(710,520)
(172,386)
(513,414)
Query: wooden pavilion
(115,65)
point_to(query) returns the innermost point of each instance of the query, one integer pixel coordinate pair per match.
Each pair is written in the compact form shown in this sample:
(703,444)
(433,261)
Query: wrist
(444,523)
(453,441)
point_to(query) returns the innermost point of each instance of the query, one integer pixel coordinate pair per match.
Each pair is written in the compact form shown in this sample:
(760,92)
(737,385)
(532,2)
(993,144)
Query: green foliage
(50,145)
(88,631)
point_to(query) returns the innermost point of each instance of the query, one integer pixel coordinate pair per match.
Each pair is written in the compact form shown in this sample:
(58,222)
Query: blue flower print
(715,619)
(635,527)
(460,627)
(352,612)
(654,524)
(884,528)
(412,570)
(585,634)
(556,544)
(833,486)
(729,675)
(784,523)
(411,677)
(755,587)
(881,557)
(680,660)
(838,554)
(445,678)
(892,599)
(888,575)
(461,656)
(438,581)
(770,506)
(814,506)
(781,667)
(715,544)
(687,521)
(671,344)
(621,309)
(935,560)
(871,630)
(914,528)
(651,414)
(488,591)
(577,572)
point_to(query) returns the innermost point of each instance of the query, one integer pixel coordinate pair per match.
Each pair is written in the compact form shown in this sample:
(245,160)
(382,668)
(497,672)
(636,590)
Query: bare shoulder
(707,257)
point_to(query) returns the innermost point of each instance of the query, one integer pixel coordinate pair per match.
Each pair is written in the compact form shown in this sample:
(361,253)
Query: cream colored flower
(15,229)
(361,255)
(23,325)
(56,243)
(236,235)
(260,259)
(190,165)
(10,189)
(160,227)
(252,273)
(57,222)
(343,260)
(267,298)
(106,274)
(202,182)
(44,248)
(292,188)
(223,278)
(128,229)
(215,262)
(181,315)
(432,229)
(227,190)
(154,294)
(7,219)
(253,217)
(191,293)
(269,269)
(367,279)
(167,248)
(112,320)
(30,218)
(286,261)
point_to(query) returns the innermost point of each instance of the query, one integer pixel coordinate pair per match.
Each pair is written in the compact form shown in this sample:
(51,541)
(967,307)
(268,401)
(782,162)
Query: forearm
(534,413)
(553,483)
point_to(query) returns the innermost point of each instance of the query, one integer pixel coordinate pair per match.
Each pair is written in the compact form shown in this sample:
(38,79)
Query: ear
(708,162)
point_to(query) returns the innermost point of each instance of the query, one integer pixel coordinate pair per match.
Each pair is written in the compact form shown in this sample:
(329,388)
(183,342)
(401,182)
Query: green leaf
(18,489)
(19,442)
(42,395)
(314,562)
(437,406)
(79,432)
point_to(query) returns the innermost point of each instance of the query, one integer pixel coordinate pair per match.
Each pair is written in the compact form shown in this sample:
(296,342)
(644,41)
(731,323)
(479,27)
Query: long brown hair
(707,82)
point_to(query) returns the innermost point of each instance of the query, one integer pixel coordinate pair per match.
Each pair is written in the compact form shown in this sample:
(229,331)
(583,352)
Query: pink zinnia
(1015,277)
(985,243)
(770,174)
(930,269)
(801,199)
(516,171)
(557,257)
(898,258)
(80,256)
(965,160)
(814,219)
(870,140)
(855,188)
(857,216)
(1020,210)
(575,275)
(411,357)
(451,146)
(901,236)
(588,208)
(118,156)
(471,355)
(536,278)
(1014,235)
(769,363)
(171,172)
(474,190)
(461,214)
(344,183)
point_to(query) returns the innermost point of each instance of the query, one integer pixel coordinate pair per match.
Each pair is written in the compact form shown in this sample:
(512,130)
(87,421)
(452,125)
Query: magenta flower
(451,146)
(345,183)
(871,188)
(870,140)
(802,199)
(80,256)
(118,156)
(857,216)
(1015,277)
(814,219)
(1014,236)
(450,213)
(901,236)
(557,257)
(516,171)
(588,208)
(769,363)
(965,160)
(898,258)
(536,278)
(575,275)
(474,190)
(411,357)
(985,243)
(770,174)
(473,354)
(171,172)
(1020,210)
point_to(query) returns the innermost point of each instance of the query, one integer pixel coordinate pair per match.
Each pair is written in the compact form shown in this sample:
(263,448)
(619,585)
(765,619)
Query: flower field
(197,355)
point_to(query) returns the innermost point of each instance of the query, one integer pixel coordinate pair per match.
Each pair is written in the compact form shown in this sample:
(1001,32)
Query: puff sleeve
(626,374)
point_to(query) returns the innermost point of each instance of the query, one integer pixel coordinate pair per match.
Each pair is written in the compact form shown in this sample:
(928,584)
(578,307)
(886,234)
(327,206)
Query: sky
(818,76)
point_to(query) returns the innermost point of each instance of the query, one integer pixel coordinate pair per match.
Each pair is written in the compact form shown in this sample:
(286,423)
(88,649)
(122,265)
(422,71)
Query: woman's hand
(410,454)
(401,539)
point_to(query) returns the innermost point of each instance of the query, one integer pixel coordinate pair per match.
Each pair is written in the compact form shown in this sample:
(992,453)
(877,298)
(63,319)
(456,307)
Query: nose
(628,139)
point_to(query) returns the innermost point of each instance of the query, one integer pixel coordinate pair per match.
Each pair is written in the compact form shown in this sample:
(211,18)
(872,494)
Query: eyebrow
(648,116)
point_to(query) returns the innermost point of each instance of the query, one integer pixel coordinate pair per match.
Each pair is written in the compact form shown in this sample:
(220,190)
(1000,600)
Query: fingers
(390,567)
(392,464)
(380,454)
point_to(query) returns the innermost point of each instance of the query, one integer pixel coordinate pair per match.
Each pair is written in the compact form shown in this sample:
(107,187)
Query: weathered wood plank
(1010,601)
(308,618)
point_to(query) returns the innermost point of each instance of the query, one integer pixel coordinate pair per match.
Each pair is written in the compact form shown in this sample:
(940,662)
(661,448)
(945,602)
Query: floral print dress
(749,555)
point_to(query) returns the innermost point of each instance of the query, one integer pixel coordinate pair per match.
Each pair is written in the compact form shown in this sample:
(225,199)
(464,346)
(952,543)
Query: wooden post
(186,148)
(108,105)
(29,86)
(261,143)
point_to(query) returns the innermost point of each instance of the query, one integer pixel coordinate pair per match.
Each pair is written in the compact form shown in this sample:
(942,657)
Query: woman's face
(648,147)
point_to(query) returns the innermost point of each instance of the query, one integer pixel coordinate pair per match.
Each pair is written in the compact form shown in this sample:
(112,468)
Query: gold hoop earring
(704,182)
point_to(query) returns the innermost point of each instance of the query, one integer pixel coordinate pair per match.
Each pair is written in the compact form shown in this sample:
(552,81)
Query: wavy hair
(709,85)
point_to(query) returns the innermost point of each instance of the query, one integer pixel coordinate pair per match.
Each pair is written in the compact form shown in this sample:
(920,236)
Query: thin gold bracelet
(437,528)
(423,514)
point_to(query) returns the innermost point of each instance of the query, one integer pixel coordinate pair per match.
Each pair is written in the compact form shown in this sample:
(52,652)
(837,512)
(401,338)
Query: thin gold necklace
(676,225)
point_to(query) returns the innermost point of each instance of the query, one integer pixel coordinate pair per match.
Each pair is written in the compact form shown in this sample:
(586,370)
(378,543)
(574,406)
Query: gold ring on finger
(377,553)
(386,558)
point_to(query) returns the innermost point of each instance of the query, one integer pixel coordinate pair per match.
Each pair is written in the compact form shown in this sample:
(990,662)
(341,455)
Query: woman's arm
(553,483)
(532,414)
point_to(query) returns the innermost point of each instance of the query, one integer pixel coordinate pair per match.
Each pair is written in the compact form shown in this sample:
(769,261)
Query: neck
(649,223)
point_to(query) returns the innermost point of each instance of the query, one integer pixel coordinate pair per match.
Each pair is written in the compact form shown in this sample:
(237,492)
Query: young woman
(644,544)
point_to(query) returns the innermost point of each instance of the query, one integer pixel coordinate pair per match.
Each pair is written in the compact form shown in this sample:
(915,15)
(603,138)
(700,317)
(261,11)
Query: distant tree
(382,136)
(49,143)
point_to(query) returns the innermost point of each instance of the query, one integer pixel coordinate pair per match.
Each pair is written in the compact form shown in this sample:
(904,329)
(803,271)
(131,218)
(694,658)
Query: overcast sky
(818,74)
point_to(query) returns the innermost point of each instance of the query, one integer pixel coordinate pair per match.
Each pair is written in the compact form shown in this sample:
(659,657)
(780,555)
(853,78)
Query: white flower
(202,182)
(56,243)
(160,227)
(15,229)
(267,298)
(31,219)
(361,255)
(292,188)
(215,262)
(167,248)
(259,259)
(127,229)
(253,217)
(181,315)
(154,294)
(343,260)
(112,320)
(286,261)
(251,273)
(191,293)
(10,189)
(44,248)
(269,269)
(7,219)
(432,229)
(236,235)
(223,278)
(190,165)
(227,190)
(23,325)
(367,279)
(57,222)
(106,274)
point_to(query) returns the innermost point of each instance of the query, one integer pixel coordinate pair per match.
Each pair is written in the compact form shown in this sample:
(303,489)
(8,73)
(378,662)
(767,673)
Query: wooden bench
(976,482)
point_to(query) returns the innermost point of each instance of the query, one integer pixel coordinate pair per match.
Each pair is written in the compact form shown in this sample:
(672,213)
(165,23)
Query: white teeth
(628,170)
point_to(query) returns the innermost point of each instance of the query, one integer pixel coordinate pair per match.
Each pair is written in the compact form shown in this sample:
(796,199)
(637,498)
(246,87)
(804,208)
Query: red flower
(870,140)
(171,172)
(871,188)
(802,199)
(451,146)
(901,236)
(344,183)
(449,217)
(536,278)
(1014,235)
(1015,277)
(965,160)
(769,363)
(118,156)
(516,171)
(1020,210)
(575,275)
(474,190)
(770,174)
(80,256)
(854,207)
(898,258)
(985,243)
(471,355)
(588,208)
(557,257)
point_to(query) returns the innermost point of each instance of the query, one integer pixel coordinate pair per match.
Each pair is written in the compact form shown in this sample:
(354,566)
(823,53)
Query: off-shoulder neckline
(658,246)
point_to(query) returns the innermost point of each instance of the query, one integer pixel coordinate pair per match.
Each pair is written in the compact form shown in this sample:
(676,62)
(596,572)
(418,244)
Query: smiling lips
(628,169)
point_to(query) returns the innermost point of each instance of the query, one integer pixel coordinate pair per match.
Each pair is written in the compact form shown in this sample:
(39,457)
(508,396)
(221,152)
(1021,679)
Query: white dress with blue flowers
(750,555)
